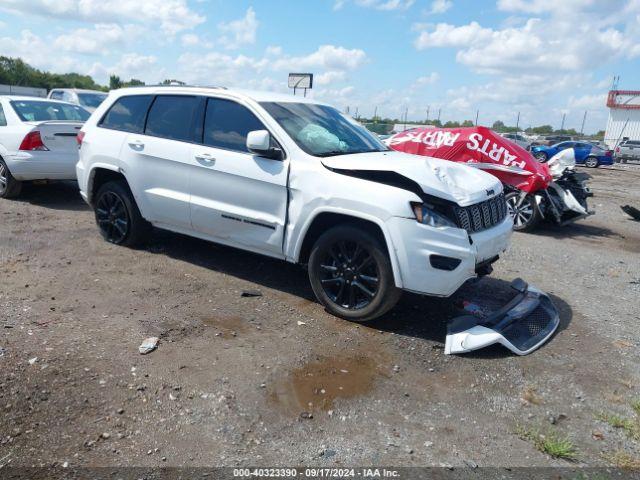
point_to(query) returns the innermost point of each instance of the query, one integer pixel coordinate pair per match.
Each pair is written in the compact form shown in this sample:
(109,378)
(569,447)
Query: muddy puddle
(318,384)
(228,326)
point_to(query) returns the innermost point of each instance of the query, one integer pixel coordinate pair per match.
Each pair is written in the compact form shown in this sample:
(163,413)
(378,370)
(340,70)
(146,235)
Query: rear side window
(127,113)
(171,116)
(3,119)
(56,95)
(43,110)
(227,123)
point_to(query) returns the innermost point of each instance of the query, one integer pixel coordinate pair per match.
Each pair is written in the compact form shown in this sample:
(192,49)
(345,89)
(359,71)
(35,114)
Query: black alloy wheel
(112,217)
(118,216)
(351,274)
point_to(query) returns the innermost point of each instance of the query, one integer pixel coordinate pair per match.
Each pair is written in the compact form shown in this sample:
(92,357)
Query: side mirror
(259,142)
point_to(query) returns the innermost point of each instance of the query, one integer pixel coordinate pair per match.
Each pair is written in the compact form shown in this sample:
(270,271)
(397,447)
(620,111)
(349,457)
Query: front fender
(294,247)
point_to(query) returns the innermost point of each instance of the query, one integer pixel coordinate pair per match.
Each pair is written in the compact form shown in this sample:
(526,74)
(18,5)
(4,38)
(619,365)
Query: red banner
(481,148)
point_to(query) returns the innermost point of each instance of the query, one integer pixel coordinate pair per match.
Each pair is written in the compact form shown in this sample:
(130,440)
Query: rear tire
(351,275)
(118,216)
(9,186)
(591,162)
(526,215)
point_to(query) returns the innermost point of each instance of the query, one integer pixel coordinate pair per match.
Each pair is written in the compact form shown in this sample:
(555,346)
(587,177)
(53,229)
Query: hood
(440,178)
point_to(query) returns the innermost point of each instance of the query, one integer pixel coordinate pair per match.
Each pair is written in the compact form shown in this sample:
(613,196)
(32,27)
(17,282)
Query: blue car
(586,153)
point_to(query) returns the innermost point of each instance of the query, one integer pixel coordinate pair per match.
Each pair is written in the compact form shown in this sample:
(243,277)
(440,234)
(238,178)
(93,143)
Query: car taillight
(79,138)
(608,153)
(32,141)
(617,149)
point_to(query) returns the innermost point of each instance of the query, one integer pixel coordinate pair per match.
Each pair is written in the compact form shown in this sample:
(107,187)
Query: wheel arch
(101,174)
(317,224)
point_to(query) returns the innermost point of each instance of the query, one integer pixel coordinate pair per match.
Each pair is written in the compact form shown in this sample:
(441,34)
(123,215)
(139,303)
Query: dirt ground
(275,380)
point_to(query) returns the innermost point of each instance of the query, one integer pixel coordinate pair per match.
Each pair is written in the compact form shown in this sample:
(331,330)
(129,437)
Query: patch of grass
(622,459)
(630,427)
(636,406)
(552,443)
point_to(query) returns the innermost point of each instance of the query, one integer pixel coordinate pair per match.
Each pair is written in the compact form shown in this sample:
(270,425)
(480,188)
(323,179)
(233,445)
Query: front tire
(591,162)
(351,275)
(118,216)
(525,212)
(9,186)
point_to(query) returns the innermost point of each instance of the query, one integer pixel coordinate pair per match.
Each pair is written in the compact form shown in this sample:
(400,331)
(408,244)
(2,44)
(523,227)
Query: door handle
(206,159)
(136,145)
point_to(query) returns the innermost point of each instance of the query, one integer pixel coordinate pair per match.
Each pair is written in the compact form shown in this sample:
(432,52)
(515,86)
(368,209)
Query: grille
(483,215)
(525,332)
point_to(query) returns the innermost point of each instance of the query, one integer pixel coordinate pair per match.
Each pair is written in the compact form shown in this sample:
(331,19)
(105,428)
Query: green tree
(451,124)
(468,123)
(168,81)
(13,71)
(543,130)
(114,82)
(498,126)
(134,82)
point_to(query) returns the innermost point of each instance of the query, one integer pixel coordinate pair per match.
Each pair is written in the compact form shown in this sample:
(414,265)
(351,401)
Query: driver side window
(227,124)
(3,119)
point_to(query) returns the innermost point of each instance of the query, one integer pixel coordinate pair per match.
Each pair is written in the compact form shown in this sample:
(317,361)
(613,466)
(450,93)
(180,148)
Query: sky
(541,58)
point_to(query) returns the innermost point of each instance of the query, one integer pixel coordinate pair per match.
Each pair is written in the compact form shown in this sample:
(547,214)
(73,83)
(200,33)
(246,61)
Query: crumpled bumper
(525,323)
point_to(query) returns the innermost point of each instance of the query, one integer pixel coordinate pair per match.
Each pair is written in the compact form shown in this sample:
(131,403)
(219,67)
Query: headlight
(428,216)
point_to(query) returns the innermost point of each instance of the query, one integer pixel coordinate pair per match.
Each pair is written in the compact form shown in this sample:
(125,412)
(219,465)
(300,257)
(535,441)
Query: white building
(24,91)
(624,116)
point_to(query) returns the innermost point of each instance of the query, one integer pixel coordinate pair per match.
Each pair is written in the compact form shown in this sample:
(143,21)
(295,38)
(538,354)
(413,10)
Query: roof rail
(175,85)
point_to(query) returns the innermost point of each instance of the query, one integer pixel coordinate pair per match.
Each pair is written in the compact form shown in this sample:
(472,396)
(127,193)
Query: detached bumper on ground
(522,325)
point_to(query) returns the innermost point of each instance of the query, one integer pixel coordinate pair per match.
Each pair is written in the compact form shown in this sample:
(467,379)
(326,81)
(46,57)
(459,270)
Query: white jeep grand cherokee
(293,179)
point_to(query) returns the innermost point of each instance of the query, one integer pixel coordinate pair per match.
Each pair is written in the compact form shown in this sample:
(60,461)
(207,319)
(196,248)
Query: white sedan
(37,141)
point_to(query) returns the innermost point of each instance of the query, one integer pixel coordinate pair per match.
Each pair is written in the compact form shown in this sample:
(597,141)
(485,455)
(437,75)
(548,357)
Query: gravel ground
(275,380)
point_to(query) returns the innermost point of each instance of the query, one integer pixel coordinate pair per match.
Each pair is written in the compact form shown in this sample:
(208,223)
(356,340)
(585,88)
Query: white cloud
(238,33)
(193,40)
(37,52)
(173,16)
(446,35)
(326,57)
(328,77)
(541,6)
(130,65)
(588,102)
(99,40)
(551,44)
(384,5)
(273,51)
(430,79)
(439,6)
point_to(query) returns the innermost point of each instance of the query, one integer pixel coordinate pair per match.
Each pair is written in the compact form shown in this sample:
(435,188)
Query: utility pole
(439,114)
(518,123)
(356,115)
(406,112)
(584,119)
(477,114)
(375,113)
(428,108)
(564,115)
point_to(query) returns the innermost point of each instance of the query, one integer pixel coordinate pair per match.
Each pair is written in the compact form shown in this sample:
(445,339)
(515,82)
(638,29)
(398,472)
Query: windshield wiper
(335,153)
